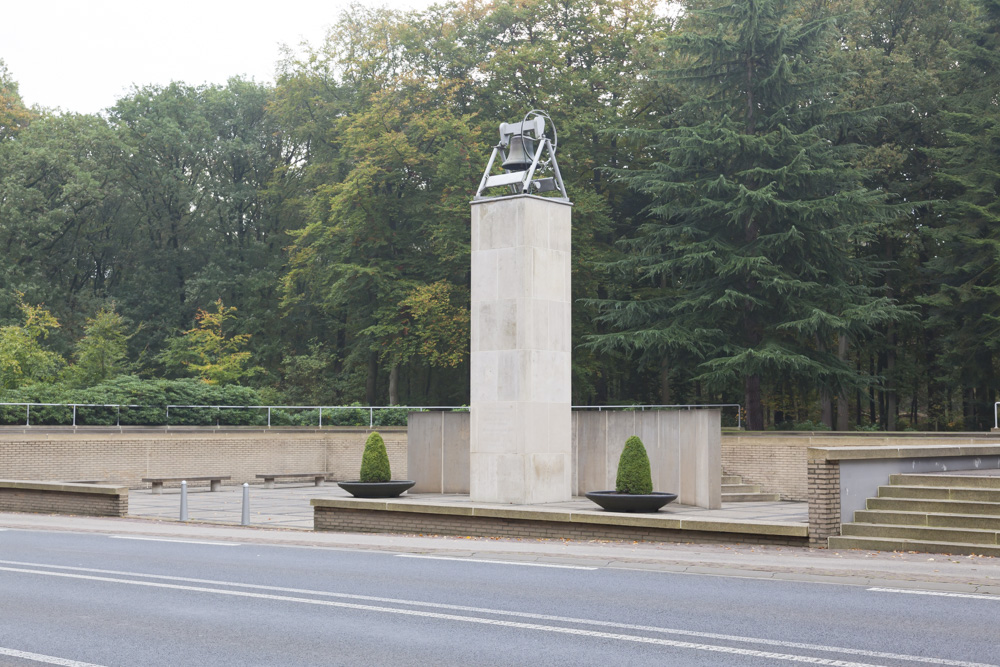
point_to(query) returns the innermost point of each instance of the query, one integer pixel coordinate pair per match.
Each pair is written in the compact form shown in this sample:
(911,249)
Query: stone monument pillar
(521,447)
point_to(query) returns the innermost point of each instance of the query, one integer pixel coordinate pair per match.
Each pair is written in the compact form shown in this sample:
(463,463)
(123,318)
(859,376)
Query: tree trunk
(891,407)
(755,407)
(843,416)
(372,377)
(825,400)
(665,382)
(394,385)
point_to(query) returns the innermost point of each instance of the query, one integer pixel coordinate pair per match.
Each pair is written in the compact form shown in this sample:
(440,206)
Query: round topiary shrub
(375,460)
(634,475)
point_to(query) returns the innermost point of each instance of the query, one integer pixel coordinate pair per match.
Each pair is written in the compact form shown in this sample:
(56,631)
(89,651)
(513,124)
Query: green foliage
(751,260)
(209,353)
(868,427)
(634,475)
(375,460)
(153,395)
(101,353)
(807,425)
(795,178)
(23,359)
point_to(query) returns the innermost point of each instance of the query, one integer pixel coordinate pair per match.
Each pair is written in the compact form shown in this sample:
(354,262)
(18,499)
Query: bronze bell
(520,153)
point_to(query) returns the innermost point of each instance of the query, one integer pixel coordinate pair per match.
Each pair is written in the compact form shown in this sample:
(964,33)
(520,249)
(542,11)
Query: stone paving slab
(288,505)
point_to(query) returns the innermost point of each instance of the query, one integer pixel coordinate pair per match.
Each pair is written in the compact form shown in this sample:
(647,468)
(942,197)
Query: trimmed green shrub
(634,475)
(375,460)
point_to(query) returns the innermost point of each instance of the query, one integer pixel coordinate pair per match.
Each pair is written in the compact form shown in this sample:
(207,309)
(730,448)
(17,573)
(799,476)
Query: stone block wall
(683,448)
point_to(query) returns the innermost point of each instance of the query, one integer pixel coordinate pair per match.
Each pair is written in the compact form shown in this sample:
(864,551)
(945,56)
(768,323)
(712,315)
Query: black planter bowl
(390,489)
(613,501)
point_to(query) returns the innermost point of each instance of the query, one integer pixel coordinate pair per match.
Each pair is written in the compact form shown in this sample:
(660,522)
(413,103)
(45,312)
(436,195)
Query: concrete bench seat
(215,481)
(269,478)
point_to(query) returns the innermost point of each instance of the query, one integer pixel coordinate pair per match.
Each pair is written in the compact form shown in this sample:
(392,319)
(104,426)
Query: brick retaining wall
(127,456)
(777,460)
(415,523)
(824,501)
(46,498)
(777,465)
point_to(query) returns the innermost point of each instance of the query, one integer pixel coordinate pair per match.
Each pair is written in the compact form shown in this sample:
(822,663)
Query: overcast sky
(82,55)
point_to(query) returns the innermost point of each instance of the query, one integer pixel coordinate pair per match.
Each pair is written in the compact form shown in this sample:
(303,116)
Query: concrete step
(921,533)
(881,544)
(750,497)
(732,479)
(740,488)
(939,480)
(928,519)
(940,493)
(934,506)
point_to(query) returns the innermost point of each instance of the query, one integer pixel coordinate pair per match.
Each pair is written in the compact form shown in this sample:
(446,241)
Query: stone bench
(215,481)
(269,478)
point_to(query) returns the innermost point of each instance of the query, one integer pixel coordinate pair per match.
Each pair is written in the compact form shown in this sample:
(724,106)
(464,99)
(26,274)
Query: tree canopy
(787,204)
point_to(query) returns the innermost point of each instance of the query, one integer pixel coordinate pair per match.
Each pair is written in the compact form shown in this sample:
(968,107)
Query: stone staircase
(735,491)
(952,513)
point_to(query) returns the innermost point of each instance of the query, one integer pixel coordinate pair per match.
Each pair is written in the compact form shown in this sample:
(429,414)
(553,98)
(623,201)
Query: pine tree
(966,238)
(753,250)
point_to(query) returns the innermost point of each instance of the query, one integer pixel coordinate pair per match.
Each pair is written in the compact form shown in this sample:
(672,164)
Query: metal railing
(371,409)
(118,406)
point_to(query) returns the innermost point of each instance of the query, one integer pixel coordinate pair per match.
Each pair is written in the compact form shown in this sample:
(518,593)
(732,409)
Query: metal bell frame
(524,182)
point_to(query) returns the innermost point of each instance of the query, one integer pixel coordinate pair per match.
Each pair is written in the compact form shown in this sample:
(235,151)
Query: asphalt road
(83,599)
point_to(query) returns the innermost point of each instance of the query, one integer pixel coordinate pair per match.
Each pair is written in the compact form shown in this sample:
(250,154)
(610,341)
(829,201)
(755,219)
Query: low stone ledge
(412,516)
(63,498)
(66,487)
(914,451)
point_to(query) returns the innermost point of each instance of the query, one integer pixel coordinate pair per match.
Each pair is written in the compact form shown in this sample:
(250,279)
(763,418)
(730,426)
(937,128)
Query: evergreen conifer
(634,475)
(753,257)
(375,460)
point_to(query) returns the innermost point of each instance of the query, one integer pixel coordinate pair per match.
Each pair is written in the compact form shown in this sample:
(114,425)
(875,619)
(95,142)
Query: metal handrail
(370,408)
(119,406)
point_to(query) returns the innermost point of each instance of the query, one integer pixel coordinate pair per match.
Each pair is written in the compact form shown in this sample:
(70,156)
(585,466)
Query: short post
(245,521)
(184,501)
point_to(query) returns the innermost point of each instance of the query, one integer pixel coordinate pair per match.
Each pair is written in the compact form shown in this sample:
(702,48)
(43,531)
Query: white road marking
(462,619)
(165,539)
(38,657)
(943,594)
(498,562)
(495,612)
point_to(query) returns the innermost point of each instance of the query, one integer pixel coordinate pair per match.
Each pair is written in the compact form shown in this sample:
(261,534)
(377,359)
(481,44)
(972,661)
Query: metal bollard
(184,501)
(246,505)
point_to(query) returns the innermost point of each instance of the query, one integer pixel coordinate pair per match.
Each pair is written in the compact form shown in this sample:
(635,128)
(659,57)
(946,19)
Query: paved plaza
(287,506)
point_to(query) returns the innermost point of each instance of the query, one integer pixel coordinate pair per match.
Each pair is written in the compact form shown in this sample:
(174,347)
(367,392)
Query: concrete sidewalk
(925,572)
